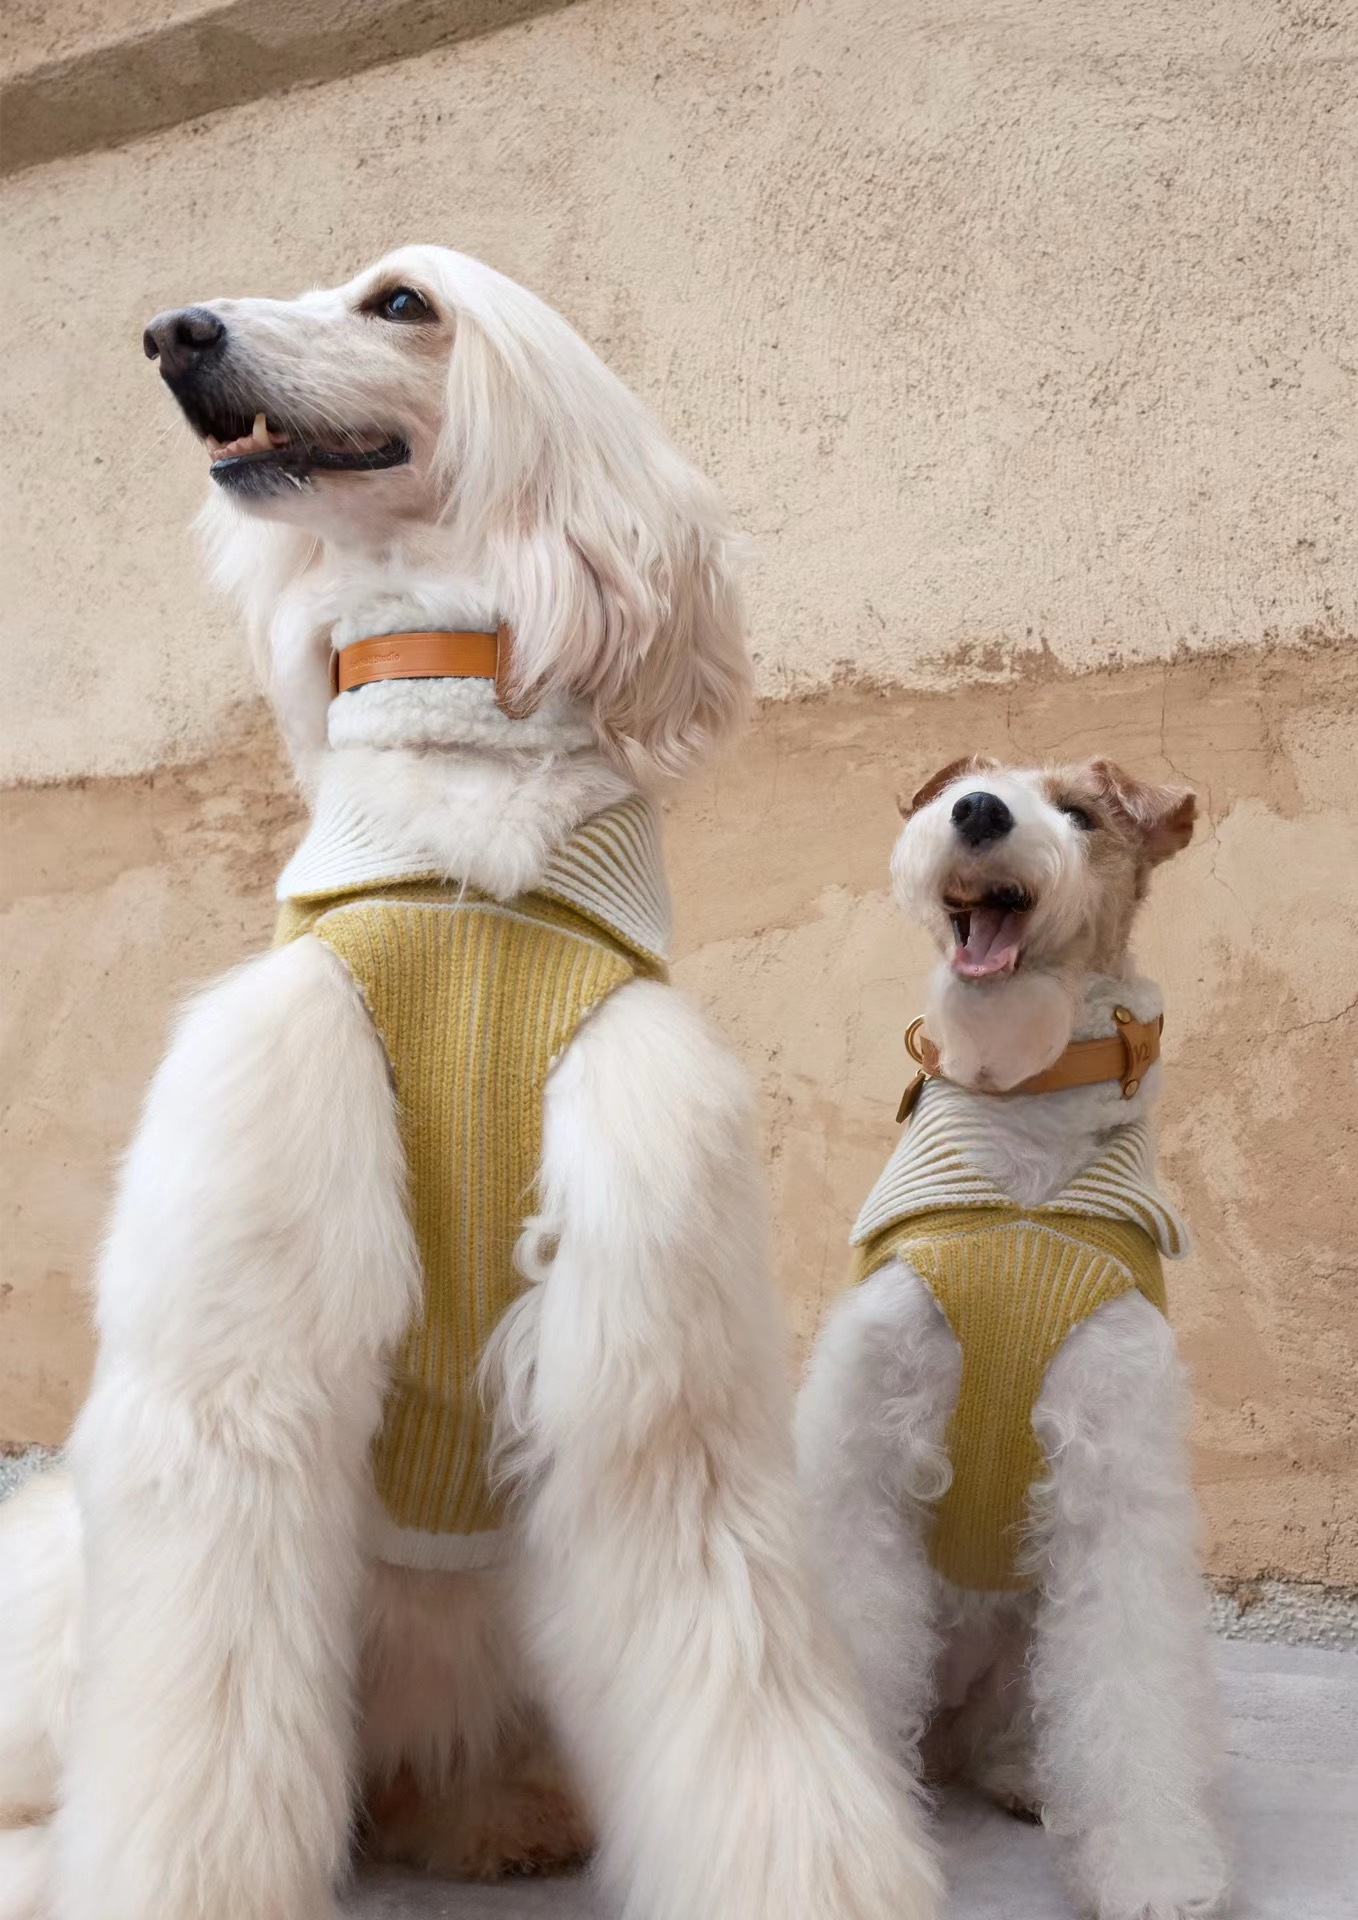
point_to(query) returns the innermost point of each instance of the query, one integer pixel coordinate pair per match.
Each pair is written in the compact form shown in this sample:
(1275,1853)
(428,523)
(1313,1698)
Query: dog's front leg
(1121,1687)
(871,1425)
(721,1740)
(258,1267)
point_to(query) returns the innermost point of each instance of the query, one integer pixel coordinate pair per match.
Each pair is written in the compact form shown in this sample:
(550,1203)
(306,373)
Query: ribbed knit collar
(487,816)
(610,869)
(932,1167)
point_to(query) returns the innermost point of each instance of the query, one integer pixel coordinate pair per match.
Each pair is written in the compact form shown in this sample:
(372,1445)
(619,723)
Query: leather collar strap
(430,656)
(1125,1056)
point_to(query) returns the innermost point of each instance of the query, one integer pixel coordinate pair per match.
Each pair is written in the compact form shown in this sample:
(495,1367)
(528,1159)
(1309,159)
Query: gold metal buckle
(925,1056)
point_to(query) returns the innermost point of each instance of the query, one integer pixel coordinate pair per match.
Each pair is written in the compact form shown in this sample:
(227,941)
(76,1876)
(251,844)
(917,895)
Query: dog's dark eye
(1082,820)
(403,304)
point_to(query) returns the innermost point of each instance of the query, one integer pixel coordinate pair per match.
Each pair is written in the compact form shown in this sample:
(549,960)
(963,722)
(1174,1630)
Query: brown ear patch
(934,785)
(1162,817)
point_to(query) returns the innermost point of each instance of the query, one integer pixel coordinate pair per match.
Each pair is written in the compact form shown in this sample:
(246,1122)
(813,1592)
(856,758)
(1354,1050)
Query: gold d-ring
(922,1051)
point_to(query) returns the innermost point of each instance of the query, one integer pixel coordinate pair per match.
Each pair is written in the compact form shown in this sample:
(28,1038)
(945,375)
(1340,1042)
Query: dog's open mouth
(249,453)
(989,932)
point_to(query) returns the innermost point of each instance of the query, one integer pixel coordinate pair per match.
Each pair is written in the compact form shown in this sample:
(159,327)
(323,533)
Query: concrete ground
(1290,1789)
(1291,1792)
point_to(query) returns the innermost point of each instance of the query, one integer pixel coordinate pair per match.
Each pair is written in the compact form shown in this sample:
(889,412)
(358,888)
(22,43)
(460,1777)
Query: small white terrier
(215,1637)
(992,1425)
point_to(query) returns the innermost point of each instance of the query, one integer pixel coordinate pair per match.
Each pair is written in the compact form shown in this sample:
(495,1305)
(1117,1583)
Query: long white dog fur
(1089,1696)
(201,1660)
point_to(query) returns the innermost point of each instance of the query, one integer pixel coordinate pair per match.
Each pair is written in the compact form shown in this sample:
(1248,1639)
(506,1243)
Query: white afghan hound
(223,1646)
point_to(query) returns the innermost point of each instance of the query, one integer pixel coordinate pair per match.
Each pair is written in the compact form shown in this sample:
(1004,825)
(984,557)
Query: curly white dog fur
(1088,1695)
(438,449)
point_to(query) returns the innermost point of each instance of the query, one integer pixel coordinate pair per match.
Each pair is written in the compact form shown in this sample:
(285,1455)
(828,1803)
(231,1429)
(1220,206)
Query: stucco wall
(1010,332)
(80,75)
(1021,338)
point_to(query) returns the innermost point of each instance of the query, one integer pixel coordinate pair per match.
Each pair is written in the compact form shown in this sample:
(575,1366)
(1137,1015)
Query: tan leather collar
(430,656)
(1125,1056)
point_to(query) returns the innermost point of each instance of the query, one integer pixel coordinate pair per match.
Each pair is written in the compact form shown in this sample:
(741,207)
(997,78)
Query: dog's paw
(1192,1903)
(522,1827)
(480,1830)
(1005,1779)
(1160,1873)
(1192,1909)
(1019,1806)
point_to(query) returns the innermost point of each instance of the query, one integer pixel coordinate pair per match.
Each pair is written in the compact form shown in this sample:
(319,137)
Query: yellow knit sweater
(474,1000)
(1012,1282)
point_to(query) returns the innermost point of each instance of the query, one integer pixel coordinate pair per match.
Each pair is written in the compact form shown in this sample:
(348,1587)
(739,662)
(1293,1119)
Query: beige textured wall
(35,31)
(77,76)
(1012,332)
(1021,338)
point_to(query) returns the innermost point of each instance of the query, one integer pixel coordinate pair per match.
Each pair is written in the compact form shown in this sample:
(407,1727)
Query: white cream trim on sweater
(492,819)
(346,847)
(931,1168)
(611,869)
(440,1552)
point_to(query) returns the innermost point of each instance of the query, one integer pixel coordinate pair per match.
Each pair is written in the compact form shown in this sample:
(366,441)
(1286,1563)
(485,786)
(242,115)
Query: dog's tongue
(992,944)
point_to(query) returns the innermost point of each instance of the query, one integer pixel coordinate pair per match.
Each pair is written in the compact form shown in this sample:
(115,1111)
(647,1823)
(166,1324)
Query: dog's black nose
(979,817)
(183,339)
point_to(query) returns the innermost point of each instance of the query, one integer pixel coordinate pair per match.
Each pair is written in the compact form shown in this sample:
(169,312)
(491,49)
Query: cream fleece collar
(453,713)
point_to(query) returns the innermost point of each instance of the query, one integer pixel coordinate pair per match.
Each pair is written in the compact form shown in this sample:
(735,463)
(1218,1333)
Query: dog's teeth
(260,436)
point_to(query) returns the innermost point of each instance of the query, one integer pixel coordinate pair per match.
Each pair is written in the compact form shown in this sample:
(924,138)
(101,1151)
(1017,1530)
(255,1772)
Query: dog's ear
(934,785)
(1161,817)
(612,560)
